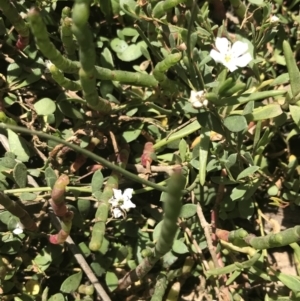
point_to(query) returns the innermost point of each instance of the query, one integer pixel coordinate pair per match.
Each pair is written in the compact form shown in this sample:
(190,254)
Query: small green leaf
(291,281)
(132,52)
(9,160)
(129,7)
(45,106)
(156,231)
(246,208)
(42,260)
(106,59)
(188,210)
(20,174)
(238,192)
(12,223)
(247,172)
(111,281)
(27,196)
(273,190)
(5,217)
(169,259)
(132,131)
(69,110)
(130,32)
(235,123)
(7,286)
(13,73)
(293,70)
(84,206)
(179,247)
(118,45)
(97,269)
(50,176)
(295,113)
(281,79)
(182,149)
(257,2)
(184,132)
(266,112)
(18,146)
(71,284)
(244,98)
(97,181)
(57,297)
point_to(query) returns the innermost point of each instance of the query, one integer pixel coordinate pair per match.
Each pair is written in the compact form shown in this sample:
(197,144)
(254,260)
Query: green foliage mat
(143,144)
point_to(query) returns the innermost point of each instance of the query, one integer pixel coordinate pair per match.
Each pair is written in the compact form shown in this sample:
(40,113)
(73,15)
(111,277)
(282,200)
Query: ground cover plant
(149,150)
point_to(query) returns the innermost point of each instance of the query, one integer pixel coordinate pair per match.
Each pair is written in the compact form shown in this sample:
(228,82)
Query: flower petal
(200,94)
(274,19)
(127,195)
(127,205)
(205,102)
(196,96)
(222,44)
(217,56)
(197,104)
(231,65)
(243,60)
(239,48)
(117,194)
(18,231)
(113,202)
(193,94)
(117,213)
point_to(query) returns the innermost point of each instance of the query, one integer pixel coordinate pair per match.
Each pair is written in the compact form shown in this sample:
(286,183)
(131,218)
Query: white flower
(274,19)
(198,100)
(19,229)
(231,57)
(116,213)
(121,203)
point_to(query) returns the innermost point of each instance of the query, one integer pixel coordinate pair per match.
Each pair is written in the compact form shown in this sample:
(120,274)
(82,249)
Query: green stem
(241,237)
(12,14)
(87,55)
(39,189)
(87,153)
(66,83)
(235,266)
(57,200)
(163,66)
(15,209)
(273,240)
(172,206)
(66,34)
(101,216)
(160,287)
(126,77)
(158,108)
(18,191)
(162,7)
(48,49)
(63,234)
(296,249)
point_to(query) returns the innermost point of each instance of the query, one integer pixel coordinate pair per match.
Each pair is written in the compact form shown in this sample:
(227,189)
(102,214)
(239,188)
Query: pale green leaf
(71,284)
(45,106)
(18,146)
